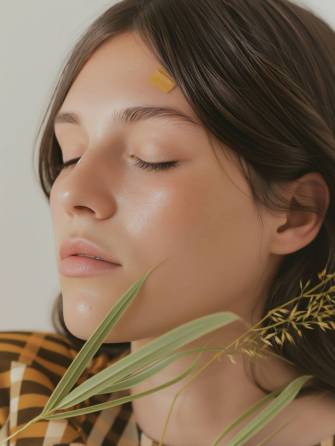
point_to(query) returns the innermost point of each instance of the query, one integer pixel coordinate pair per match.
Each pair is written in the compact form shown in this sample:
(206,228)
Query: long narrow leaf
(93,343)
(125,399)
(156,349)
(106,405)
(267,414)
(149,371)
(252,409)
(265,440)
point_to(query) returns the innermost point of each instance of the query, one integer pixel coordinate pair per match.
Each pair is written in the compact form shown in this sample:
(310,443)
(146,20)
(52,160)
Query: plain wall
(35,37)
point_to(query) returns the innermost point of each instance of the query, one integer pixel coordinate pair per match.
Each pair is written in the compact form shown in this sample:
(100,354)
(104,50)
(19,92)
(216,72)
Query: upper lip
(73,246)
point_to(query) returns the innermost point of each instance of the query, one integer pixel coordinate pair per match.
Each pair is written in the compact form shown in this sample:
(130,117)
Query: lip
(74,246)
(76,266)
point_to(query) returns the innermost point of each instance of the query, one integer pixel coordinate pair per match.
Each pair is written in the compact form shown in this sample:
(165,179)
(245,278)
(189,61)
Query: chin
(116,335)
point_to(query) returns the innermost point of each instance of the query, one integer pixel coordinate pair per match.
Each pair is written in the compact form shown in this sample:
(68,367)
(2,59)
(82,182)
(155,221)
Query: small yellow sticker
(162,80)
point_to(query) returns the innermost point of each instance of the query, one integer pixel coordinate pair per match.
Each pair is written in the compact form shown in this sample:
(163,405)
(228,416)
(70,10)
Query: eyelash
(142,164)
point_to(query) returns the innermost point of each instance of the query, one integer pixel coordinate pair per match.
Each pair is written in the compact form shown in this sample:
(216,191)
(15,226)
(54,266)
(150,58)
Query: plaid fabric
(31,365)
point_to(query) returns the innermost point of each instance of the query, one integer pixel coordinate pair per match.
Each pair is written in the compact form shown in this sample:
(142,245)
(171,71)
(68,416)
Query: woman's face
(197,217)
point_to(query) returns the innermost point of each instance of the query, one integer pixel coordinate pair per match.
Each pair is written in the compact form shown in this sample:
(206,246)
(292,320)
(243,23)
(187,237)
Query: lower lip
(77,266)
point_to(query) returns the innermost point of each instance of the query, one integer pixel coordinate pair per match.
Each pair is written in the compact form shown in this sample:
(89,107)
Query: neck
(213,399)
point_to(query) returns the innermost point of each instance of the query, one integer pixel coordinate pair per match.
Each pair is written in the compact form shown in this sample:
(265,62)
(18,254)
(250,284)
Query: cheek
(55,211)
(54,196)
(207,229)
(191,216)
(157,220)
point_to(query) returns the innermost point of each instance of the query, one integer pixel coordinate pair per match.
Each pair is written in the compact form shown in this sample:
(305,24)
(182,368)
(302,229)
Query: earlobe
(302,227)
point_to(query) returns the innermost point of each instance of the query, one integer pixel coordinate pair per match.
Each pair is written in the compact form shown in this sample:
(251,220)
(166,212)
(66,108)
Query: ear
(301,228)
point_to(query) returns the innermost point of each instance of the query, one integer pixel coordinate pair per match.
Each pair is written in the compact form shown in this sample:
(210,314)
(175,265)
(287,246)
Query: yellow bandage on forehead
(162,80)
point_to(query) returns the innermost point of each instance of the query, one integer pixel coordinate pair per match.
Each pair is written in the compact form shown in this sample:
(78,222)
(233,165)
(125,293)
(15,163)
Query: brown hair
(260,76)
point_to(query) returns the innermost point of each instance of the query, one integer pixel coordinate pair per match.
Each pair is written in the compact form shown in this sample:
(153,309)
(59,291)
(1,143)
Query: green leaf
(265,441)
(156,349)
(131,381)
(276,406)
(252,409)
(119,401)
(93,344)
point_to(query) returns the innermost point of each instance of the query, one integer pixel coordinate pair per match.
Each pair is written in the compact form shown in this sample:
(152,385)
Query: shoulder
(41,346)
(31,365)
(47,355)
(25,346)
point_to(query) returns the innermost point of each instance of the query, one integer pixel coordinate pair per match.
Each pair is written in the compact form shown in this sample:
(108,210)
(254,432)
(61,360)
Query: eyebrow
(131,114)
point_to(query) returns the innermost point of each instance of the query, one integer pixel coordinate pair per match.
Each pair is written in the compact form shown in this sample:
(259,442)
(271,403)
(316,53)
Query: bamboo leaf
(264,442)
(156,349)
(119,401)
(276,406)
(93,343)
(149,371)
(245,414)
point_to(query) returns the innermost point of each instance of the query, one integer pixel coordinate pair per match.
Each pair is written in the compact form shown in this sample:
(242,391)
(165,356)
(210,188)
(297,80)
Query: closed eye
(155,166)
(163,165)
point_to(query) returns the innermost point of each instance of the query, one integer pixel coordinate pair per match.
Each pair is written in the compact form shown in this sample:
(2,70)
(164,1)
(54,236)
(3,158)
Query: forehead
(116,76)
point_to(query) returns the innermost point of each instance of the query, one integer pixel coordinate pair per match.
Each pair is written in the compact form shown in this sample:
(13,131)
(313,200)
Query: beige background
(33,51)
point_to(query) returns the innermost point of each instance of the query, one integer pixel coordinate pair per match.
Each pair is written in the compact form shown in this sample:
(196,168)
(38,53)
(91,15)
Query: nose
(88,188)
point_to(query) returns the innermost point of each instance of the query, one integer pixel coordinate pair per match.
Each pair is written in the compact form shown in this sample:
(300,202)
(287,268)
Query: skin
(200,219)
